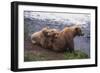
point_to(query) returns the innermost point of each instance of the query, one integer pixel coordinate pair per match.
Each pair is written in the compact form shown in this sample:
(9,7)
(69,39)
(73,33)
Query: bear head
(50,32)
(78,31)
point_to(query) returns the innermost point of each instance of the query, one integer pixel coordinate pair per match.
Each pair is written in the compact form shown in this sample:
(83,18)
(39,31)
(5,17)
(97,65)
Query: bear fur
(57,40)
(65,39)
(43,37)
(52,34)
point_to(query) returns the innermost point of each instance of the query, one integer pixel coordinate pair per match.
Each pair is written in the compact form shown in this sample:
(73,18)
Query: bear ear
(45,28)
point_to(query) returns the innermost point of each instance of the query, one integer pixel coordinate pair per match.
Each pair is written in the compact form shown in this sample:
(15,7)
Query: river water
(83,44)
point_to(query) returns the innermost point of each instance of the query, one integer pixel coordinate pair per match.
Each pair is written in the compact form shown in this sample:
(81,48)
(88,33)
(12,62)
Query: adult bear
(43,37)
(65,39)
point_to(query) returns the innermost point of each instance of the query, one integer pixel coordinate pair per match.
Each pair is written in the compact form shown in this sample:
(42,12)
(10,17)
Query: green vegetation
(40,56)
(75,55)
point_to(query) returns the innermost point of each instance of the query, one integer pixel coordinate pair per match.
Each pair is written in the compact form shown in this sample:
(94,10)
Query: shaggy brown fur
(44,37)
(64,40)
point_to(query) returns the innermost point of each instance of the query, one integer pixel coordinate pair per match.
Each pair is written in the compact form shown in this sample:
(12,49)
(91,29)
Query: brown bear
(52,34)
(36,37)
(43,37)
(65,39)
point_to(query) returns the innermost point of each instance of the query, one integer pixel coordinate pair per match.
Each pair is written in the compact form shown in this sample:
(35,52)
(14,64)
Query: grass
(30,56)
(75,55)
(34,57)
